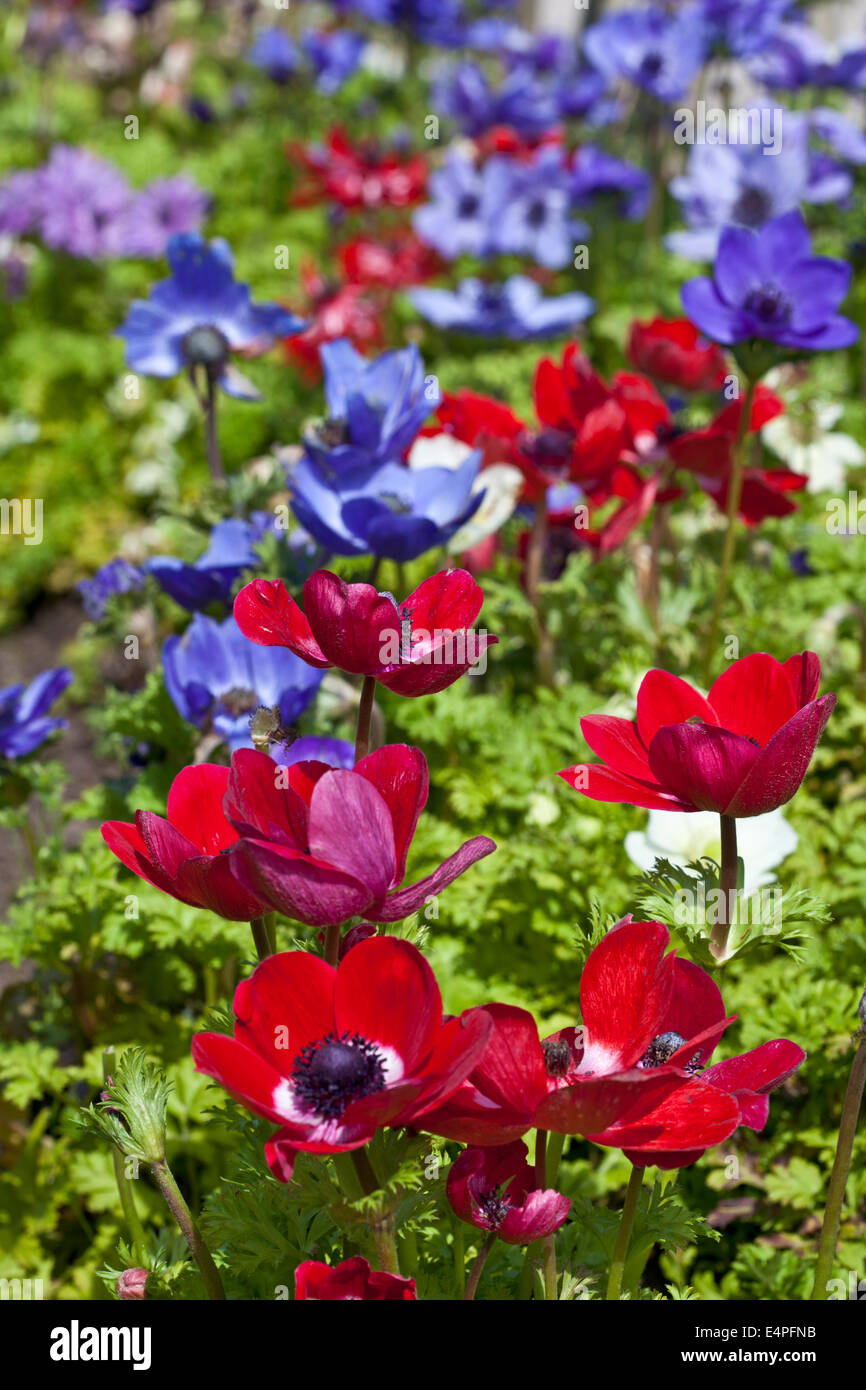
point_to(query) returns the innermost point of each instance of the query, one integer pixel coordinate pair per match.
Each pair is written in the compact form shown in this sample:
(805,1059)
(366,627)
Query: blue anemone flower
(24,724)
(273,51)
(514,309)
(395,512)
(115,577)
(375,407)
(214,672)
(230,551)
(199,316)
(659,51)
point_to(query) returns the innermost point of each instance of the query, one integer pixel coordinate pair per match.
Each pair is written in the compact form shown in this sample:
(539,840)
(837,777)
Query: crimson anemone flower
(709,453)
(632,1076)
(416,647)
(332,1055)
(184,855)
(741,751)
(352,1279)
(673,351)
(322,844)
(494,1189)
(358,176)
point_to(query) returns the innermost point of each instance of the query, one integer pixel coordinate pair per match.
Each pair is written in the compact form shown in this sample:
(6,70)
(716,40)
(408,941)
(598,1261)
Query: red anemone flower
(332,1055)
(184,855)
(709,454)
(631,1077)
(324,844)
(334,311)
(359,176)
(352,1279)
(494,1189)
(673,351)
(388,266)
(416,647)
(741,751)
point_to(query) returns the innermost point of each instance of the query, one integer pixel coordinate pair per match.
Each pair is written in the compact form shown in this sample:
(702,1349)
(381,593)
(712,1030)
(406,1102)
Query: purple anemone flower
(116,577)
(767,284)
(273,51)
(514,309)
(199,316)
(24,724)
(162,210)
(336,752)
(466,205)
(334,56)
(596,173)
(537,220)
(83,204)
(521,101)
(213,673)
(658,51)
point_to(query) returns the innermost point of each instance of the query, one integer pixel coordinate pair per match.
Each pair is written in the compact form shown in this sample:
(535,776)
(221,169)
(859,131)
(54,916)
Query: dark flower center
(662,1048)
(557,1056)
(468,205)
(330,1073)
(769,304)
(493,1206)
(651,65)
(398,506)
(752,208)
(205,346)
(332,433)
(536,215)
(238,701)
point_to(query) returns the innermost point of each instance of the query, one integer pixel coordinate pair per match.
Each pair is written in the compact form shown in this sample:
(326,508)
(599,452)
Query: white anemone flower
(806,441)
(681,837)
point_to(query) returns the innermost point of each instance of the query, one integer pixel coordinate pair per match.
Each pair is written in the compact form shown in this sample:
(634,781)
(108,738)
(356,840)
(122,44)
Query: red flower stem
(214,457)
(534,570)
(841,1167)
(735,497)
(477,1266)
(261,937)
(381,1223)
(623,1235)
(191,1233)
(332,943)
(728,883)
(365,715)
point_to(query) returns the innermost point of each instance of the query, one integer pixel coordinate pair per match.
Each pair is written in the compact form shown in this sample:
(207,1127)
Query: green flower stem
(477,1266)
(534,573)
(548,1244)
(127,1201)
(365,715)
(261,937)
(623,1235)
(382,1225)
(458,1251)
(191,1233)
(735,496)
(214,457)
(728,883)
(555,1145)
(841,1168)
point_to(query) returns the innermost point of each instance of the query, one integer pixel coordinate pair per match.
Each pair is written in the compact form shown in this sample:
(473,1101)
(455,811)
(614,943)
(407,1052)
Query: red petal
(450,599)
(512,1071)
(195,807)
(600,783)
(404,901)
(696,1006)
(617,744)
(591,1107)
(705,765)
(386,991)
(693,1117)
(351,622)
(257,806)
(625,992)
(240,1071)
(804,673)
(266,613)
(665,699)
(780,767)
(291,882)
(350,829)
(286,1003)
(753,697)
(399,774)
